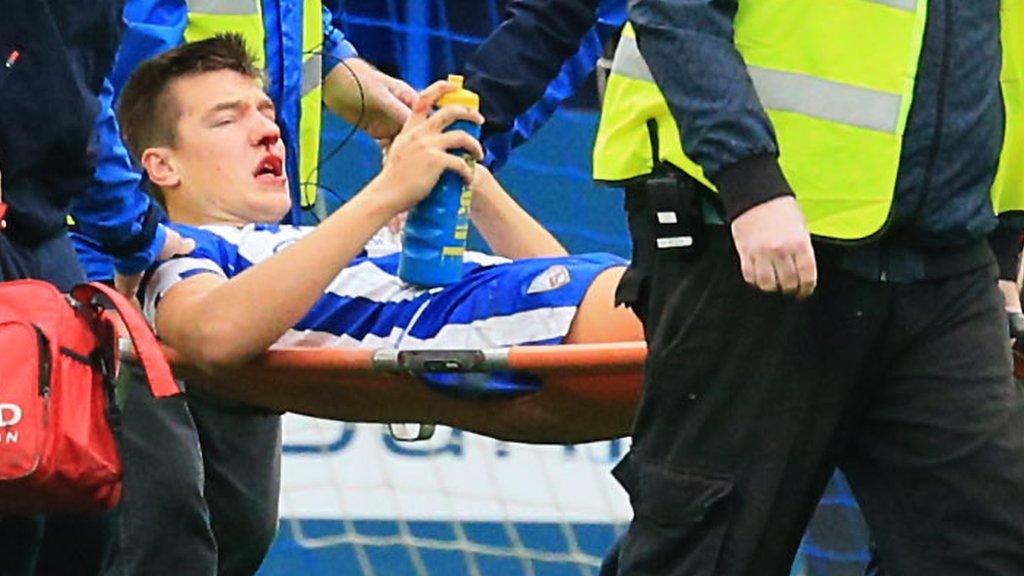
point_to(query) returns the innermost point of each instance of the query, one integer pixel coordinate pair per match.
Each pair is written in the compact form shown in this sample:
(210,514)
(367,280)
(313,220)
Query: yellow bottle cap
(461,96)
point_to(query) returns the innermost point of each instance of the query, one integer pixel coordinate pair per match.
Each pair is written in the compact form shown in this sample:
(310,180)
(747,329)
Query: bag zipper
(45,362)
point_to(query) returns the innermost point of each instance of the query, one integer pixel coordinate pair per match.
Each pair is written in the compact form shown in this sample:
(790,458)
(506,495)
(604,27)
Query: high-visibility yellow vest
(839,105)
(207,18)
(1008,190)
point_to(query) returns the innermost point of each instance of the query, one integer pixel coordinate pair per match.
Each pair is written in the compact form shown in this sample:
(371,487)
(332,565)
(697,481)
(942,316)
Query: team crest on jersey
(551,279)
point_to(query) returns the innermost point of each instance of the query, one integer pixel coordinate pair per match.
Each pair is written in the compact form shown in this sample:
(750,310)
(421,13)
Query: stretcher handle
(437,361)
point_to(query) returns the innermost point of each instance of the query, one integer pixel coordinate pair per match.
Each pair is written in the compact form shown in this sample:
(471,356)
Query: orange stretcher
(582,392)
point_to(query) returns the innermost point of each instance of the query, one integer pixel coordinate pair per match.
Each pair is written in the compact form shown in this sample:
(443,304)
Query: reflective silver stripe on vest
(826,100)
(791,92)
(224,7)
(312,73)
(908,5)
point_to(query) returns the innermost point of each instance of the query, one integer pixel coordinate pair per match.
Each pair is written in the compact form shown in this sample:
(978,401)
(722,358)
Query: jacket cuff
(138,252)
(1006,245)
(138,262)
(750,182)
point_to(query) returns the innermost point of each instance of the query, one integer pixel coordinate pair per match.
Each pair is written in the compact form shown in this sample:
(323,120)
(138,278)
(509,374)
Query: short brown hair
(147,112)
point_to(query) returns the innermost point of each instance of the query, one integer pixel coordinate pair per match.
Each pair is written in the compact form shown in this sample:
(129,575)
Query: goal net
(356,501)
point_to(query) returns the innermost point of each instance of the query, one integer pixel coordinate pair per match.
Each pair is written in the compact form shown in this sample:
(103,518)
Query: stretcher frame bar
(589,391)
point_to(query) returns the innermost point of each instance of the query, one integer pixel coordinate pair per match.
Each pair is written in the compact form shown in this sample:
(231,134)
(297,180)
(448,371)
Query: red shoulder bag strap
(154,364)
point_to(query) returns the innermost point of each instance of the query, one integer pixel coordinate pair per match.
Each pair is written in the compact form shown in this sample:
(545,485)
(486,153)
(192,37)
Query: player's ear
(160,167)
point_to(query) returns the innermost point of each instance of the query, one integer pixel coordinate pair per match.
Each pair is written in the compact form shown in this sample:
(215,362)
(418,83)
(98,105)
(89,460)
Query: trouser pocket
(680,520)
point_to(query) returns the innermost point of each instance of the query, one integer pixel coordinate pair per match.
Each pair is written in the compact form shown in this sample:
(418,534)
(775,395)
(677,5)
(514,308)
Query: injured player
(201,126)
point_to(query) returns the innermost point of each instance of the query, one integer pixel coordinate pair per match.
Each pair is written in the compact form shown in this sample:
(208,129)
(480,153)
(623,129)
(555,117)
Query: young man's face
(228,155)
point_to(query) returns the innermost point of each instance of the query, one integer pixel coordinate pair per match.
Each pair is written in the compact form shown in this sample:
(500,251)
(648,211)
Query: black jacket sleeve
(514,65)
(688,45)
(1006,242)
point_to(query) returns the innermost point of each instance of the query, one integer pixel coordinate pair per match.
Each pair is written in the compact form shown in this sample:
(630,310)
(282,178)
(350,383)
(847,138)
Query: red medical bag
(58,361)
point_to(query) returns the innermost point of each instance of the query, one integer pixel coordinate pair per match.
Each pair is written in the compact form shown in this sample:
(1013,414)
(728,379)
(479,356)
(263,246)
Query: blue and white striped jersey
(497,303)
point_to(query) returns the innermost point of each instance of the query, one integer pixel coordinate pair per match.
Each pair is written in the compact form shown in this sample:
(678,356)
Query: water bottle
(437,228)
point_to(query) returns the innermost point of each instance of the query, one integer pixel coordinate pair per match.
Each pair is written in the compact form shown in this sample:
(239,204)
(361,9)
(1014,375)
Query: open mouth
(270,167)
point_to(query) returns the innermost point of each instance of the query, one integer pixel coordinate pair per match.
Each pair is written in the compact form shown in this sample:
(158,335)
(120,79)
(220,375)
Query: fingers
(426,99)
(395,109)
(176,245)
(405,93)
(786,275)
(448,114)
(457,164)
(807,270)
(461,140)
(791,273)
(775,248)
(397,224)
(765,278)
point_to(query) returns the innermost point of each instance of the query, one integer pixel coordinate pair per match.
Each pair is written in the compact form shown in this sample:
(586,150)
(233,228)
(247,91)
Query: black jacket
(511,69)
(54,55)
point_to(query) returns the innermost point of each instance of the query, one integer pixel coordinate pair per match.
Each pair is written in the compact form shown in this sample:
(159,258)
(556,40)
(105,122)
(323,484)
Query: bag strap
(154,364)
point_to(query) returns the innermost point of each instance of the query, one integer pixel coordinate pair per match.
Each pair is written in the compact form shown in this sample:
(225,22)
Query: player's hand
(1011,302)
(397,224)
(419,154)
(775,248)
(175,245)
(380,108)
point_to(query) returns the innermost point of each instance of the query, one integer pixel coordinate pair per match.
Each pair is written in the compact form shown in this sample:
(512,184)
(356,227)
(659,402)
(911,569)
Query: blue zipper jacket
(153,27)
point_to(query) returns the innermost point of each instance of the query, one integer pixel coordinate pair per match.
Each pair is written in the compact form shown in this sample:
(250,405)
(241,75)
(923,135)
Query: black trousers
(201,485)
(751,400)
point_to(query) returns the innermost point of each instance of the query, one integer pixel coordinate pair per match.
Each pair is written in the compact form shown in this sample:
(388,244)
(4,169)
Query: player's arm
(217,322)
(508,229)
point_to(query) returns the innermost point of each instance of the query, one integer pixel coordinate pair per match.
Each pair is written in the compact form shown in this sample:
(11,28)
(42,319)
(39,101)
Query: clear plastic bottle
(437,228)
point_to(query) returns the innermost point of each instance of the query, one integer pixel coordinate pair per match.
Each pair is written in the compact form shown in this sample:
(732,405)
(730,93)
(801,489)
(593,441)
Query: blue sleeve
(116,212)
(688,45)
(516,63)
(336,47)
